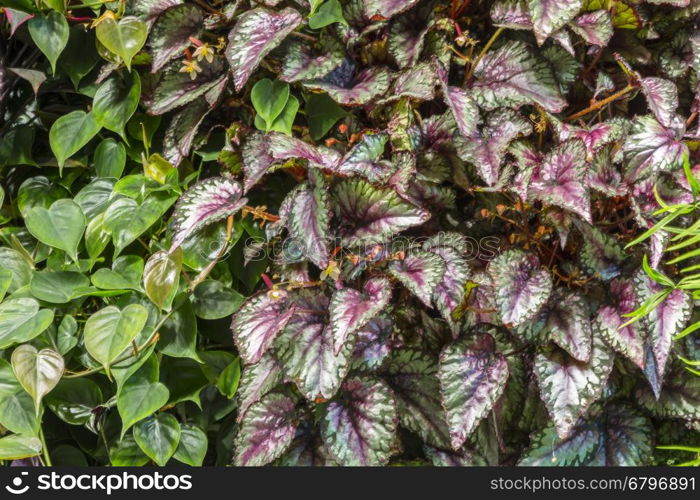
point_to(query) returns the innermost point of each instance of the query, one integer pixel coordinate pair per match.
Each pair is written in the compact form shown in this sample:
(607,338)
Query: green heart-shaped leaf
(80,55)
(158,437)
(283,123)
(59,287)
(60,226)
(269,99)
(141,395)
(73,400)
(116,101)
(110,330)
(70,133)
(50,33)
(125,274)
(161,277)
(124,38)
(37,371)
(16,406)
(110,158)
(192,447)
(21,320)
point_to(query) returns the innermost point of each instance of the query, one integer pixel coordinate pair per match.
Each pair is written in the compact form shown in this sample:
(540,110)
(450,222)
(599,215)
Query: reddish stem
(268,281)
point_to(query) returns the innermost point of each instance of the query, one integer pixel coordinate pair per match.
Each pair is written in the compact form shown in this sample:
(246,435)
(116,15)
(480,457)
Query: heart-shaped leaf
(110,158)
(161,277)
(61,226)
(158,437)
(269,99)
(472,377)
(74,399)
(21,320)
(60,287)
(124,38)
(116,101)
(17,446)
(70,133)
(17,410)
(192,447)
(50,33)
(141,394)
(37,371)
(125,274)
(110,330)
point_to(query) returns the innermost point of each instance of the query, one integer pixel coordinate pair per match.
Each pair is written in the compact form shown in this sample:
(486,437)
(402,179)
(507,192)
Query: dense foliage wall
(349,232)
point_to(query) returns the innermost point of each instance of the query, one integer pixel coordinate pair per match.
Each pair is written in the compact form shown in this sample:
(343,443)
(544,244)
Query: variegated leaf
(256,33)
(351,309)
(521,286)
(172,31)
(594,27)
(600,252)
(420,272)
(449,292)
(364,159)
(460,102)
(651,148)
(662,98)
(472,378)
(387,8)
(308,219)
(206,202)
(365,86)
(550,15)
(299,64)
(567,323)
(258,321)
(568,387)
(359,426)
(367,214)
(407,36)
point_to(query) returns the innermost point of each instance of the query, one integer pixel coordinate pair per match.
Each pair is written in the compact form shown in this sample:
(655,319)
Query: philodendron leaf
(158,437)
(568,387)
(50,33)
(21,320)
(17,409)
(141,394)
(308,220)
(305,350)
(17,446)
(550,15)
(662,98)
(351,309)
(192,447)
(124,38)
(110,158)
(420,272)
(329,12)
(74,399)
(258,321)
(560,179)
(125,274)
(59,287)
(269,99)
(651,148)
(60,226)
(522,287)
(37,371)
(412,376)
(512,76)
(472,377)
(70,133)
(368,214)
(359,426)
(256,33)
(322,113)
(266,430)
(386,9)
(206,202)
(116,101)
(110,331)
(161,276)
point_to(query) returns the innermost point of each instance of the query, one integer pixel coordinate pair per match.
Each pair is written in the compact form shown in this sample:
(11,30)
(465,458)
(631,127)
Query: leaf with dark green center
(50,33)
(21,320)
(472,378)
(110,331)
(70,133)
(158,437)
(116,101)
(37,371)
(266,430)
(359,426)
(123,38)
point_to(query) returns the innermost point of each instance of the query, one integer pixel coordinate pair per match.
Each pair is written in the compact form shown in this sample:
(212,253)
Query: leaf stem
(44,448)
(604,102)
(483,52)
